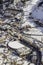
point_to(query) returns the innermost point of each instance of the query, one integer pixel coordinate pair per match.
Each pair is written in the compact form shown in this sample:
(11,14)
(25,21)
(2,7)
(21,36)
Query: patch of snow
(34,1)
(32,64)
(32,24)
(36,31)
(41,29)
(25,63)
(15,44)
(38,14)
(29,8)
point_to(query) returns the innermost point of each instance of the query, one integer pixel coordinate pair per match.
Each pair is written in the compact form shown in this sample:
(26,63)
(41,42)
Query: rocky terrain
(21,32)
